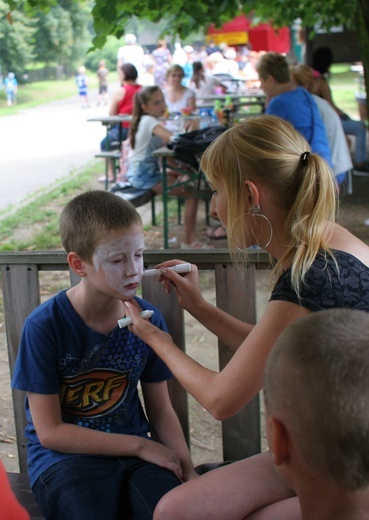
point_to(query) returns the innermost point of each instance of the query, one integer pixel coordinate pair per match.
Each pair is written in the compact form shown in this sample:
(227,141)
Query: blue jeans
(358,129)
(97,488)
(113,136)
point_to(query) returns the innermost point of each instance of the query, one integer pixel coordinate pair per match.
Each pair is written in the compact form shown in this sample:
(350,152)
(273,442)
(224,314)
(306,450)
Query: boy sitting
(91,454)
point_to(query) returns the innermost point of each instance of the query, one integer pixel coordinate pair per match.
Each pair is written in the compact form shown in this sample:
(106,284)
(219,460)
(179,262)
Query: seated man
(295,104)
(317,407)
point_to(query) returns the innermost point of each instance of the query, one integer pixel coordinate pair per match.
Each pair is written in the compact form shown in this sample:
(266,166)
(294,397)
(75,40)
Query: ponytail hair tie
(304,158)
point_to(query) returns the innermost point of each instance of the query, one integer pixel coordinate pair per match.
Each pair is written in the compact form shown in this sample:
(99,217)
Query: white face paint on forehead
(120,258)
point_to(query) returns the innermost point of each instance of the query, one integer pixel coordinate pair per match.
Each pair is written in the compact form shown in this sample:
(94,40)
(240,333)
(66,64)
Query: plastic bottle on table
(214,119)
(179,124)
(205,120)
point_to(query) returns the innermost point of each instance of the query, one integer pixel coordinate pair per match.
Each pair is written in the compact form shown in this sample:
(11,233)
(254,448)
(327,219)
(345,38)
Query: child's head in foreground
(317,390)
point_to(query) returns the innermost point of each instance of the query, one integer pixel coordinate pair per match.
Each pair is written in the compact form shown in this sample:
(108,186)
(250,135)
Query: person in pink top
(122,103)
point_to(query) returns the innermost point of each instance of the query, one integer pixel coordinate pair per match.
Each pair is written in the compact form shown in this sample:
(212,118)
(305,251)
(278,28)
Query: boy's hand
(160,455)
(189,475)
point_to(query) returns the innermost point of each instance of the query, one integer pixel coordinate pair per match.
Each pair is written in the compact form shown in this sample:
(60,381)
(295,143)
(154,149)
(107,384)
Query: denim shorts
(144,174)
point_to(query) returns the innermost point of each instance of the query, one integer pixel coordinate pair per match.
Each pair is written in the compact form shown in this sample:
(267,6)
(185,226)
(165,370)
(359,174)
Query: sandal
(217,232)
(103,179)
(196,245)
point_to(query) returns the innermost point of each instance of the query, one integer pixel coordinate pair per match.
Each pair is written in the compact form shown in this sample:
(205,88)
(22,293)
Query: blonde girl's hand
(186,286)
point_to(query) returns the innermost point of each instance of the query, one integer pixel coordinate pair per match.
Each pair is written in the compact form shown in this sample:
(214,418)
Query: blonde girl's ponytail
(311,217)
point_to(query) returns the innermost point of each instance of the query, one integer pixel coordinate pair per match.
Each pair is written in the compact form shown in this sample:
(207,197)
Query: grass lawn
(344,84)
(40,92)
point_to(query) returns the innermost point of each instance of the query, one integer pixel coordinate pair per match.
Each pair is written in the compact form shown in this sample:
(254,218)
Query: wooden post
(236,294)
(152,291)
(21,294)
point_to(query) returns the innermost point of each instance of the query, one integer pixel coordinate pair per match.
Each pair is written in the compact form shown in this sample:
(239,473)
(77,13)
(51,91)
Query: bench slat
(152,291)
(21,293)
(236,294)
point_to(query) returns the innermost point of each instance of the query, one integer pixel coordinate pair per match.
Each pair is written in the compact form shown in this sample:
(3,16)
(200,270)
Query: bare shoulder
(343,240)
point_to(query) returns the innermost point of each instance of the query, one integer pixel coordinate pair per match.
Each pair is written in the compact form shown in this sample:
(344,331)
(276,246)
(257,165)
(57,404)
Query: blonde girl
(270,190)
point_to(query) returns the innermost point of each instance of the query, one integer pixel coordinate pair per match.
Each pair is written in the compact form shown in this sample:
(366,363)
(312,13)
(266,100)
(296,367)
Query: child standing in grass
(11,89)
(102,75)
(81,80)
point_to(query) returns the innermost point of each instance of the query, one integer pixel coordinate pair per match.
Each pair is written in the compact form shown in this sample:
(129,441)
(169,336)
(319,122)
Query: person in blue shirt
(91,448)
(292,103)
(11,89)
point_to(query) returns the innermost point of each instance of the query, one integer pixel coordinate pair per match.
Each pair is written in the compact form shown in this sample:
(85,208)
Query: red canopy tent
(260,37)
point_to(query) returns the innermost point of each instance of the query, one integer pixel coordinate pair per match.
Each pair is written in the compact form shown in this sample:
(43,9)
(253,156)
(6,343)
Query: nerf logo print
(93,393)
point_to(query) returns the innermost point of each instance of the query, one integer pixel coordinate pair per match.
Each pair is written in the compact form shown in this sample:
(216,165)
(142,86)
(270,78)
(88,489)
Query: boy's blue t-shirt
(95,375)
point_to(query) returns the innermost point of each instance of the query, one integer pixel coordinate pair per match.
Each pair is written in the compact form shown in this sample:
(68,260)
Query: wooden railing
(235,293)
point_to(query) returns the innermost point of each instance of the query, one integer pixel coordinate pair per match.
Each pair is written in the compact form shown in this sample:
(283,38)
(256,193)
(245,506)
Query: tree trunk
(362,24)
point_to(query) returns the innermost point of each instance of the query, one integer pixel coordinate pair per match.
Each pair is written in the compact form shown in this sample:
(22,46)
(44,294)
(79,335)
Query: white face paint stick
(179,268)
(124,322)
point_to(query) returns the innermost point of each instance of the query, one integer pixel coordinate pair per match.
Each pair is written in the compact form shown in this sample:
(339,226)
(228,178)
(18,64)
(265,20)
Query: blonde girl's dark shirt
(326,287)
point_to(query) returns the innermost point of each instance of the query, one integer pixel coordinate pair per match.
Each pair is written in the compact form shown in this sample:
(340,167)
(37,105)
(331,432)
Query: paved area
(40,146)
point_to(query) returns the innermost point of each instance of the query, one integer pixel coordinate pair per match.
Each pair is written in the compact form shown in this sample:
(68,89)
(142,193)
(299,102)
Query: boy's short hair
(275,65)
(89,217)
(317,383)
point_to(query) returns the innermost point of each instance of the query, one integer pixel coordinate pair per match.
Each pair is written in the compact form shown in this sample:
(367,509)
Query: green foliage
(54,36)
(62,35)
(180,16)
(15,41)
(51,32)
(283,12)
(107,53)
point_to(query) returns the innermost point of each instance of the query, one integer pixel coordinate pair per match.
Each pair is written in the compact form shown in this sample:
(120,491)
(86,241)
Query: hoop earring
(255,212)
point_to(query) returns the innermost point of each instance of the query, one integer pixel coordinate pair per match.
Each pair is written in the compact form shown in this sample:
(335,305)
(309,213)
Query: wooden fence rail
(235,293)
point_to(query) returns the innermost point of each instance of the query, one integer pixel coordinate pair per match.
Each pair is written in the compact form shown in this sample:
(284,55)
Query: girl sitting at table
(147,133)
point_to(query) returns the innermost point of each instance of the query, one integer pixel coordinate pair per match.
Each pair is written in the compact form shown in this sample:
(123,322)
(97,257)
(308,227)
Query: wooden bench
(235,294)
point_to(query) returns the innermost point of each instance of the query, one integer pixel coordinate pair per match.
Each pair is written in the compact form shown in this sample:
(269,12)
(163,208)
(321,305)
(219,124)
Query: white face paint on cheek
(121,261)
